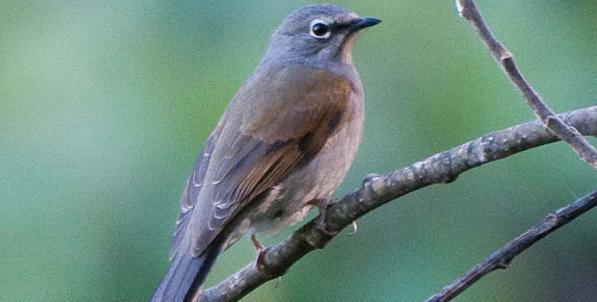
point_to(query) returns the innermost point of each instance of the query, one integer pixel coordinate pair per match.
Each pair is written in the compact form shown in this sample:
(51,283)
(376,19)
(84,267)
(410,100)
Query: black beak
(363,22)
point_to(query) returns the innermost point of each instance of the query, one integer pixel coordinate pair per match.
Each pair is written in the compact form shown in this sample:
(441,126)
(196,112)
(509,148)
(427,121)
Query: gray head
(317,34)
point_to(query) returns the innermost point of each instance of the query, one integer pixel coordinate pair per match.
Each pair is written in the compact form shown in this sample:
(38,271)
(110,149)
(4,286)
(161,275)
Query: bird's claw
(322,205)
(355,228)
(261,251)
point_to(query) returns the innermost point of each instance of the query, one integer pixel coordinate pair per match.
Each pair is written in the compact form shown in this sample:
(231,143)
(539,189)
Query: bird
(285,141)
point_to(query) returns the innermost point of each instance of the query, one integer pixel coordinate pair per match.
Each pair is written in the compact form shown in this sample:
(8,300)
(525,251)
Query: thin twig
(379,189)
(501,258)
(565,132)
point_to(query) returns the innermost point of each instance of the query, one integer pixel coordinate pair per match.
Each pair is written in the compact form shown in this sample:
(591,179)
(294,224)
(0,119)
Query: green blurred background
(104,105)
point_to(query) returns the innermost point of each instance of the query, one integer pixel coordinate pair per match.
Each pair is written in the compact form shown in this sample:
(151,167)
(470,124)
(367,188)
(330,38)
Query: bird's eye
(320,29)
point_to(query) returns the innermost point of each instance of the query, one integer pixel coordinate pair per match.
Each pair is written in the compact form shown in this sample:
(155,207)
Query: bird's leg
(261,250)
(322,204)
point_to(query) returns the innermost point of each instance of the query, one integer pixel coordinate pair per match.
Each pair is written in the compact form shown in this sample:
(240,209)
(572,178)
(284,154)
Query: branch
(501,258)
(565,132)
(377,190)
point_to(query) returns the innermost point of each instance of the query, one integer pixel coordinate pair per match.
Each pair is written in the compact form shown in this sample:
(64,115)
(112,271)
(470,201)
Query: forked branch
(504,58)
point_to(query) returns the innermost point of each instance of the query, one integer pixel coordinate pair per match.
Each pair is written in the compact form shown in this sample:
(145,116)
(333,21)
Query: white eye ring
(319,29)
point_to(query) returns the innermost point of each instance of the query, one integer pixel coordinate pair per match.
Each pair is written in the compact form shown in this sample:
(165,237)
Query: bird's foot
(261,251)
(322,205)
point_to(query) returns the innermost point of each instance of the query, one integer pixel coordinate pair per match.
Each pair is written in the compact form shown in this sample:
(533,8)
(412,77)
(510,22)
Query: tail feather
(185,276)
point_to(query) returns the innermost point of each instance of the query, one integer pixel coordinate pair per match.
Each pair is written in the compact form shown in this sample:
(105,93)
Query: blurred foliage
(104,105)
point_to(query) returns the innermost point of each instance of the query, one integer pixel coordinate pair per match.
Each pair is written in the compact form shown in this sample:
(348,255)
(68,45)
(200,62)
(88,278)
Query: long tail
(185,276)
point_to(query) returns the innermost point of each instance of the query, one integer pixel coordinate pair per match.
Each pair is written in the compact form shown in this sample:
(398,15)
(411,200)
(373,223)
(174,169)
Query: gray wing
(255,147)
(191,192)
(235,173)
(241,171)
(245,167)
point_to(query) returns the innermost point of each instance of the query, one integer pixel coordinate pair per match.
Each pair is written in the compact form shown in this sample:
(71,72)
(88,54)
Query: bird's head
(318,34)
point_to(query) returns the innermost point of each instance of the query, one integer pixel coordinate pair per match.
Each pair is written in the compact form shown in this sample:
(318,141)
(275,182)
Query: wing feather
(258,146)
(191,192)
